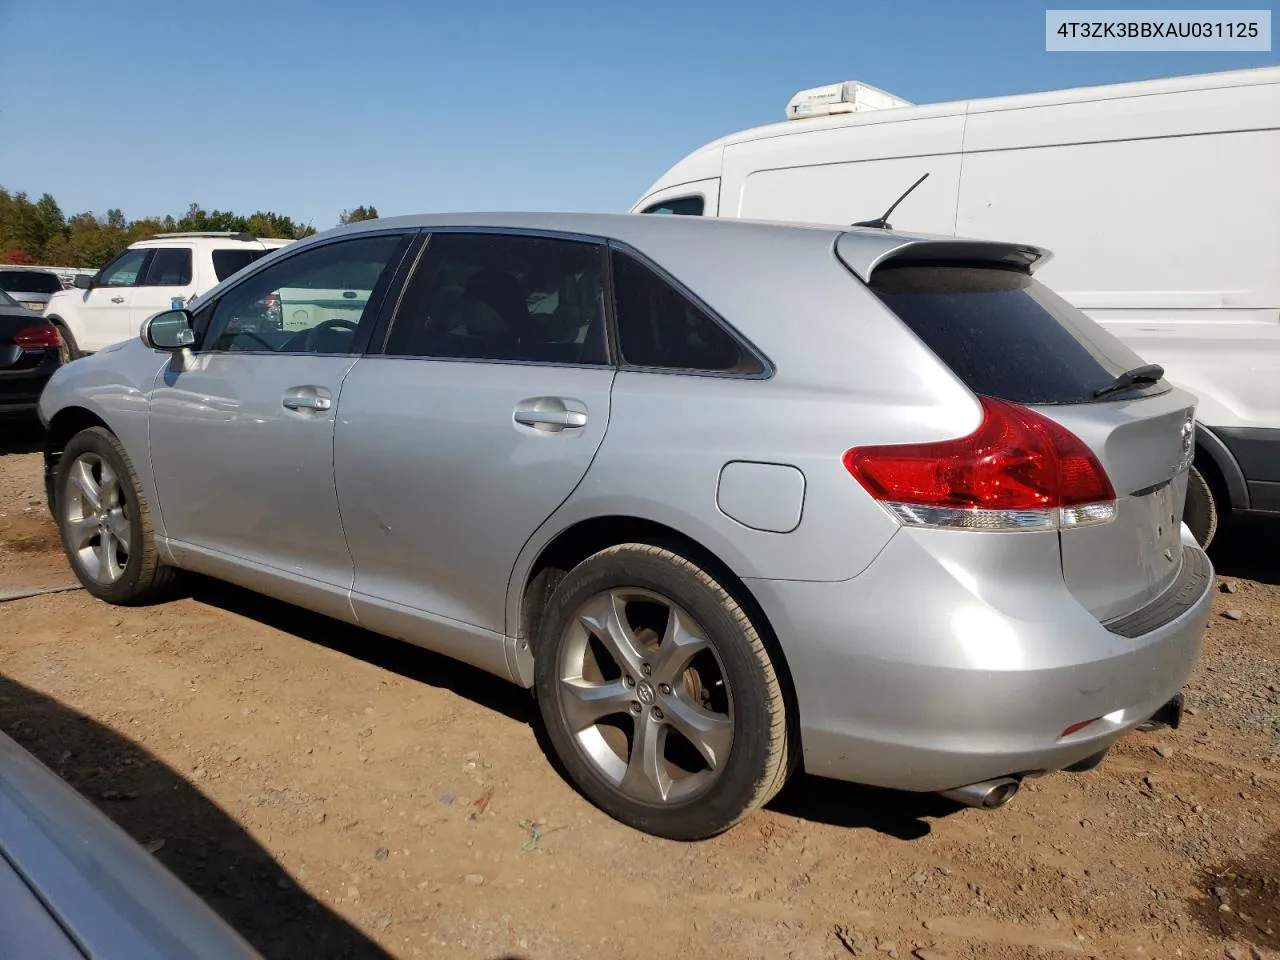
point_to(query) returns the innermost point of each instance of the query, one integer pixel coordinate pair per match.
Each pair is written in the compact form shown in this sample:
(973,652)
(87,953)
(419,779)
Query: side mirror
(170,330)
(83,281)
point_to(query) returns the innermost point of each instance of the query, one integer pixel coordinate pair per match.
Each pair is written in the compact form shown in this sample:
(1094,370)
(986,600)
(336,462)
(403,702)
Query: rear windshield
(1004,334)
(227,262)
(29,281)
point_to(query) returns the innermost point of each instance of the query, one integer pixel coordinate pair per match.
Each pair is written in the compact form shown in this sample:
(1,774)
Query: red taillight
(42,336)
(1018,470)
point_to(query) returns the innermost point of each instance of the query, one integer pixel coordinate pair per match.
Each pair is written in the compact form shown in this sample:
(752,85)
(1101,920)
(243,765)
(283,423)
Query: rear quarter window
(1004,334)
(227,262)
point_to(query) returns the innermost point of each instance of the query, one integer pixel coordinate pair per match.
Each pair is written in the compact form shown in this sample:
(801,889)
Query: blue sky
(309,106)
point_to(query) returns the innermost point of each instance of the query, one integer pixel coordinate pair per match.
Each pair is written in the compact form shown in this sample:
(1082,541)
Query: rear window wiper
(1147,373)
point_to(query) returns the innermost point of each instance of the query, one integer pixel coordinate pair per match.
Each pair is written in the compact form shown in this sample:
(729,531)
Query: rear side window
(660,327)
(1004,334)
(512,298)
(680,207)
(29,281)
(227,262)
(169,268)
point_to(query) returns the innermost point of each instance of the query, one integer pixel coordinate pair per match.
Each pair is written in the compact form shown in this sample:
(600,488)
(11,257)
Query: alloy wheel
(96,519)
(645,696)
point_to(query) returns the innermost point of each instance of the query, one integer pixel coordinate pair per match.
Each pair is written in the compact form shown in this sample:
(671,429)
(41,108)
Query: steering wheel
(337,323)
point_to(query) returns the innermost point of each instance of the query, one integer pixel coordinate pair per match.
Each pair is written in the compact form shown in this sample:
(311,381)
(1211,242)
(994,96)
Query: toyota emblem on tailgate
(1188,441)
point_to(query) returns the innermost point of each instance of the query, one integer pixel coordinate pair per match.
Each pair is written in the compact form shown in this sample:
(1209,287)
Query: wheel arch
(587,537)
(64,425)
(1223,473)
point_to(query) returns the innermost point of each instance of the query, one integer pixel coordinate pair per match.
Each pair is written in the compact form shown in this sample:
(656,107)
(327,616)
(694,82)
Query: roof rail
(244,235)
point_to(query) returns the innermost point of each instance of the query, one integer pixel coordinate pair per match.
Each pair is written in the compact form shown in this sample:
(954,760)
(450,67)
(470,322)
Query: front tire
(658,694)
(1201,511)
(105,522)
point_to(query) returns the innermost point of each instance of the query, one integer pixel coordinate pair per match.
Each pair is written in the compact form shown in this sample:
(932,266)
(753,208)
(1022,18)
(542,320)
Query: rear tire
(640,647)
(105,522)
(1201,511)
(73,349)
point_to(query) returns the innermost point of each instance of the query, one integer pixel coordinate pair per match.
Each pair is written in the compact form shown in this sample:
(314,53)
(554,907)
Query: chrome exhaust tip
(987,795)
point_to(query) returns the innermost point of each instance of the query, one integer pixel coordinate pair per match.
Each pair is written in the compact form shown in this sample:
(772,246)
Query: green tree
(358,214)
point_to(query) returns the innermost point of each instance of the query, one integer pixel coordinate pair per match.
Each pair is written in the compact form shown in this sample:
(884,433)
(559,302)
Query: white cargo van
(1160,201)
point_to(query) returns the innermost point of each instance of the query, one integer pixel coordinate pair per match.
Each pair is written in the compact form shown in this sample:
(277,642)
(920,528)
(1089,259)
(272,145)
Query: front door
(105,316)
(242,428)
(477,421)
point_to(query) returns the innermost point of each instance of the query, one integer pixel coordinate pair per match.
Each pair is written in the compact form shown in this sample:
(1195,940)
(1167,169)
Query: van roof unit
(852,96)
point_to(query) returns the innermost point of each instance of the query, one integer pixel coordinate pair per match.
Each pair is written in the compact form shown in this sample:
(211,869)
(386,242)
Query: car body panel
(978,682)
(270,499)
(108,898)
(440,486)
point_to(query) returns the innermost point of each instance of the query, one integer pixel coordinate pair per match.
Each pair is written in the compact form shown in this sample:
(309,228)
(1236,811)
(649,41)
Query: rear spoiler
(863,251)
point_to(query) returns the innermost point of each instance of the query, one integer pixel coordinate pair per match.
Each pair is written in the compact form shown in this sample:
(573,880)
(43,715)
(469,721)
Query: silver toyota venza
(730,497)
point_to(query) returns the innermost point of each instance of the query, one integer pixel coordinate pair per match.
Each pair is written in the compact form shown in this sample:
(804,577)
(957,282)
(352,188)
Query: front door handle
(551,414)
(117,299)
(312,398)
(307,403)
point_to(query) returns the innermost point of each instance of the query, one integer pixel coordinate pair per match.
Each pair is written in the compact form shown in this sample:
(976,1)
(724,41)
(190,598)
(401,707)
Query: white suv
(165,271)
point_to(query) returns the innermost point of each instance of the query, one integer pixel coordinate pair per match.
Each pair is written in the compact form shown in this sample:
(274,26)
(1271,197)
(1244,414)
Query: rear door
(169,281)
(1007,336)
(472,423)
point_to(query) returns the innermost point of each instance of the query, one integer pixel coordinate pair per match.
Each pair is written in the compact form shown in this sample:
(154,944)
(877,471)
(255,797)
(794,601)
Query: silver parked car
(30,286)
(73,885)
(727,495)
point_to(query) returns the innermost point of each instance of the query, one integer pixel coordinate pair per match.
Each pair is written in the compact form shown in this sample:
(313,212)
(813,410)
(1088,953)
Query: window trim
(767,368)
(361,341)
(611,355)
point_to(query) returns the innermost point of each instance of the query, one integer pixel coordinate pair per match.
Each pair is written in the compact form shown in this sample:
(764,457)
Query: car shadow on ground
(897,814)
(1250,890)
(20,435)
(203,847)
(1245,547)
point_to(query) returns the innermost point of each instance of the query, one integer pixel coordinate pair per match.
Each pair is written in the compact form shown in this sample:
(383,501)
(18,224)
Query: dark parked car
(30,286)
(30,350)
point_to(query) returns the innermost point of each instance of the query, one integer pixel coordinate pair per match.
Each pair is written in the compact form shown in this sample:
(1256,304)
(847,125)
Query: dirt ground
(336,794)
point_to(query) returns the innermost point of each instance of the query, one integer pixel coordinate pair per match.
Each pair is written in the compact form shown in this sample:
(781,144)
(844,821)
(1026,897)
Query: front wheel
(105,523)
(658,694)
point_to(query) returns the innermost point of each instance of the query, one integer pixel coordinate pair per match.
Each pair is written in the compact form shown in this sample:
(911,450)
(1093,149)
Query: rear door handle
(551,414)
(551,418)
(316,399)
(117,299)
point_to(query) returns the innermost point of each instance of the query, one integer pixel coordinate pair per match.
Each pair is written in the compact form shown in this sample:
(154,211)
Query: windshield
(29,281)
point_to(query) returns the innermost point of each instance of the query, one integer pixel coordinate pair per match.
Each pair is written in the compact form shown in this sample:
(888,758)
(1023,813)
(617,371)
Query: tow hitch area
(1170,715)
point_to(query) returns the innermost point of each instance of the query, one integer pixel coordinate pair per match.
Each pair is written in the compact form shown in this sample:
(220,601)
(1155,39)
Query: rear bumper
(954,660)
